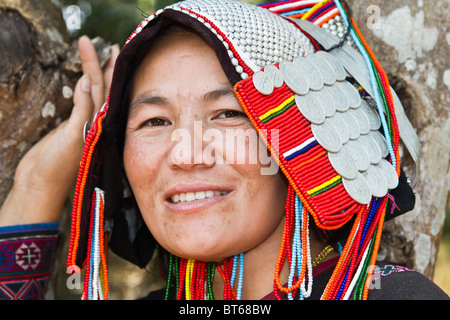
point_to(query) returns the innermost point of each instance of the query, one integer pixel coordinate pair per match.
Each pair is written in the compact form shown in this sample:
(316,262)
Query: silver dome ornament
(389,173)
(377,182)
(359,154)
(263,83)
(339,97)
(275,74)
(327,137)
(352,124)
(326,100)
(339,122)
(380,140)
(335,65)
(312,74)
(374,118)
(358,189)
(328,76)
(294,78)
(362,120)
(352,94)
(374,150)
(310,108)
(273,37)
(344,164)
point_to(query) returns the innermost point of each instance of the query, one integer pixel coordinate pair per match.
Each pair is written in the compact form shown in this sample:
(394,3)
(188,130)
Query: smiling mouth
(194,196)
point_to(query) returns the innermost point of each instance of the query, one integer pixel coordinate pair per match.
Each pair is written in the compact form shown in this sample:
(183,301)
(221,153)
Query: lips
(191,197)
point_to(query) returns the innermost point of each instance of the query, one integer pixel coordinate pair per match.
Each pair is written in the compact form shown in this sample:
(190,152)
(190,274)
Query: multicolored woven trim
(317,11)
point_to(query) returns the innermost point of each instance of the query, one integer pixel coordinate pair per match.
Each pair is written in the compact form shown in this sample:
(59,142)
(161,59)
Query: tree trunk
(38,73)
(410,40)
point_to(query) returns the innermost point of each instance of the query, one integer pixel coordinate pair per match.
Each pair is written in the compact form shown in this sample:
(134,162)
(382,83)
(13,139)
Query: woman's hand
(48,171)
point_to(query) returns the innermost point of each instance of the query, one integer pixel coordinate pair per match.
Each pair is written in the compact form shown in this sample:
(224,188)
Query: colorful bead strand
(376,89)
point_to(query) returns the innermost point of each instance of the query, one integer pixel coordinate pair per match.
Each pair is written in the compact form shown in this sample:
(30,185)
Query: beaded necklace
(194,279)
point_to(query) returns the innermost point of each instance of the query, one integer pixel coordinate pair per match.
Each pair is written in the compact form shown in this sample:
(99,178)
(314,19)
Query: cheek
(262,200)
(141,161)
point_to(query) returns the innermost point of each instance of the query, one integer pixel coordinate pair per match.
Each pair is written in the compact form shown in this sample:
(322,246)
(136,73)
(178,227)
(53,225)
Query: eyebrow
(149,98)
(218,93)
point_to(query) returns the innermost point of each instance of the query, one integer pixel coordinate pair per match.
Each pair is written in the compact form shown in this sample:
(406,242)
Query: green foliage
(115,20)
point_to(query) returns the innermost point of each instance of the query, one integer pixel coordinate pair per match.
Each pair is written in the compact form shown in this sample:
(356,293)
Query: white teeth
(190,196)
(199,195)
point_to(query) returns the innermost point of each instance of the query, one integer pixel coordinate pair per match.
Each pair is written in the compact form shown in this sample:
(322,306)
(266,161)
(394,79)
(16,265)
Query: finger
(109,68)
(91,66)
(83,105)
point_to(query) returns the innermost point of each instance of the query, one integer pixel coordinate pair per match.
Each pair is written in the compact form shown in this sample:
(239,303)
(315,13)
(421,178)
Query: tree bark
(410,40)
(38,73)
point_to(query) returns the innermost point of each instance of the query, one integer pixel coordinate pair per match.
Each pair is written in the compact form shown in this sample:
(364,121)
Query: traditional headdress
(301,69)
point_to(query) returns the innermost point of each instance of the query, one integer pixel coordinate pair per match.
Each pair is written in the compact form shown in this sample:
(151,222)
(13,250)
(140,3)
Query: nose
(188,148)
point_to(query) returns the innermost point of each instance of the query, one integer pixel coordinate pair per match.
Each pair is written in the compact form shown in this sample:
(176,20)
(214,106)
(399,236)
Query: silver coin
(358,189)
(352,94)
(374,119)
(311,73)
(389,173)
(343,163)
(324,68)
(326,101)
(339,97)
(359,154)
(362,119)
(339,123)
(327,137)
(377,182)
(311,108)
(352,124)
(337,67)
(263,83)
(381,141)
(294,78)
(275,74)
(374,150)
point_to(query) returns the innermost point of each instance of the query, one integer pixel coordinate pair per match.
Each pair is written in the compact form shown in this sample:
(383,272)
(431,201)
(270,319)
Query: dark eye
(231,114)
(156,122)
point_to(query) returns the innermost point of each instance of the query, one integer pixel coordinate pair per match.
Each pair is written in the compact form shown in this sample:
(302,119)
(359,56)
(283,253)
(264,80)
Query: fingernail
(86,83)
(115,49)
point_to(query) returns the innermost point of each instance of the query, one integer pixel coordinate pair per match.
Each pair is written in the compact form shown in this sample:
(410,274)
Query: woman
(159,171)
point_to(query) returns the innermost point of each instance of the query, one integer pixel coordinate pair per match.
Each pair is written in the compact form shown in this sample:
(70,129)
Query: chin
(202,251)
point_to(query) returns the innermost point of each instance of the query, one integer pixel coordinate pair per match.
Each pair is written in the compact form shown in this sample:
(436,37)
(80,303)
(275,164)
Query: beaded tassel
(194,278)
(296,247)
(96,277)
(361,249)
(96,269)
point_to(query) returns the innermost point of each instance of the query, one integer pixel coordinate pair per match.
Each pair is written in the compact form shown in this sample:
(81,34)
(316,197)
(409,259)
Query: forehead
(179,58)
(176,43)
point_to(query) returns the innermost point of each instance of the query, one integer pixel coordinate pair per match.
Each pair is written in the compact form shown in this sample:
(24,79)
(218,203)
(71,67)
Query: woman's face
(197,202)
